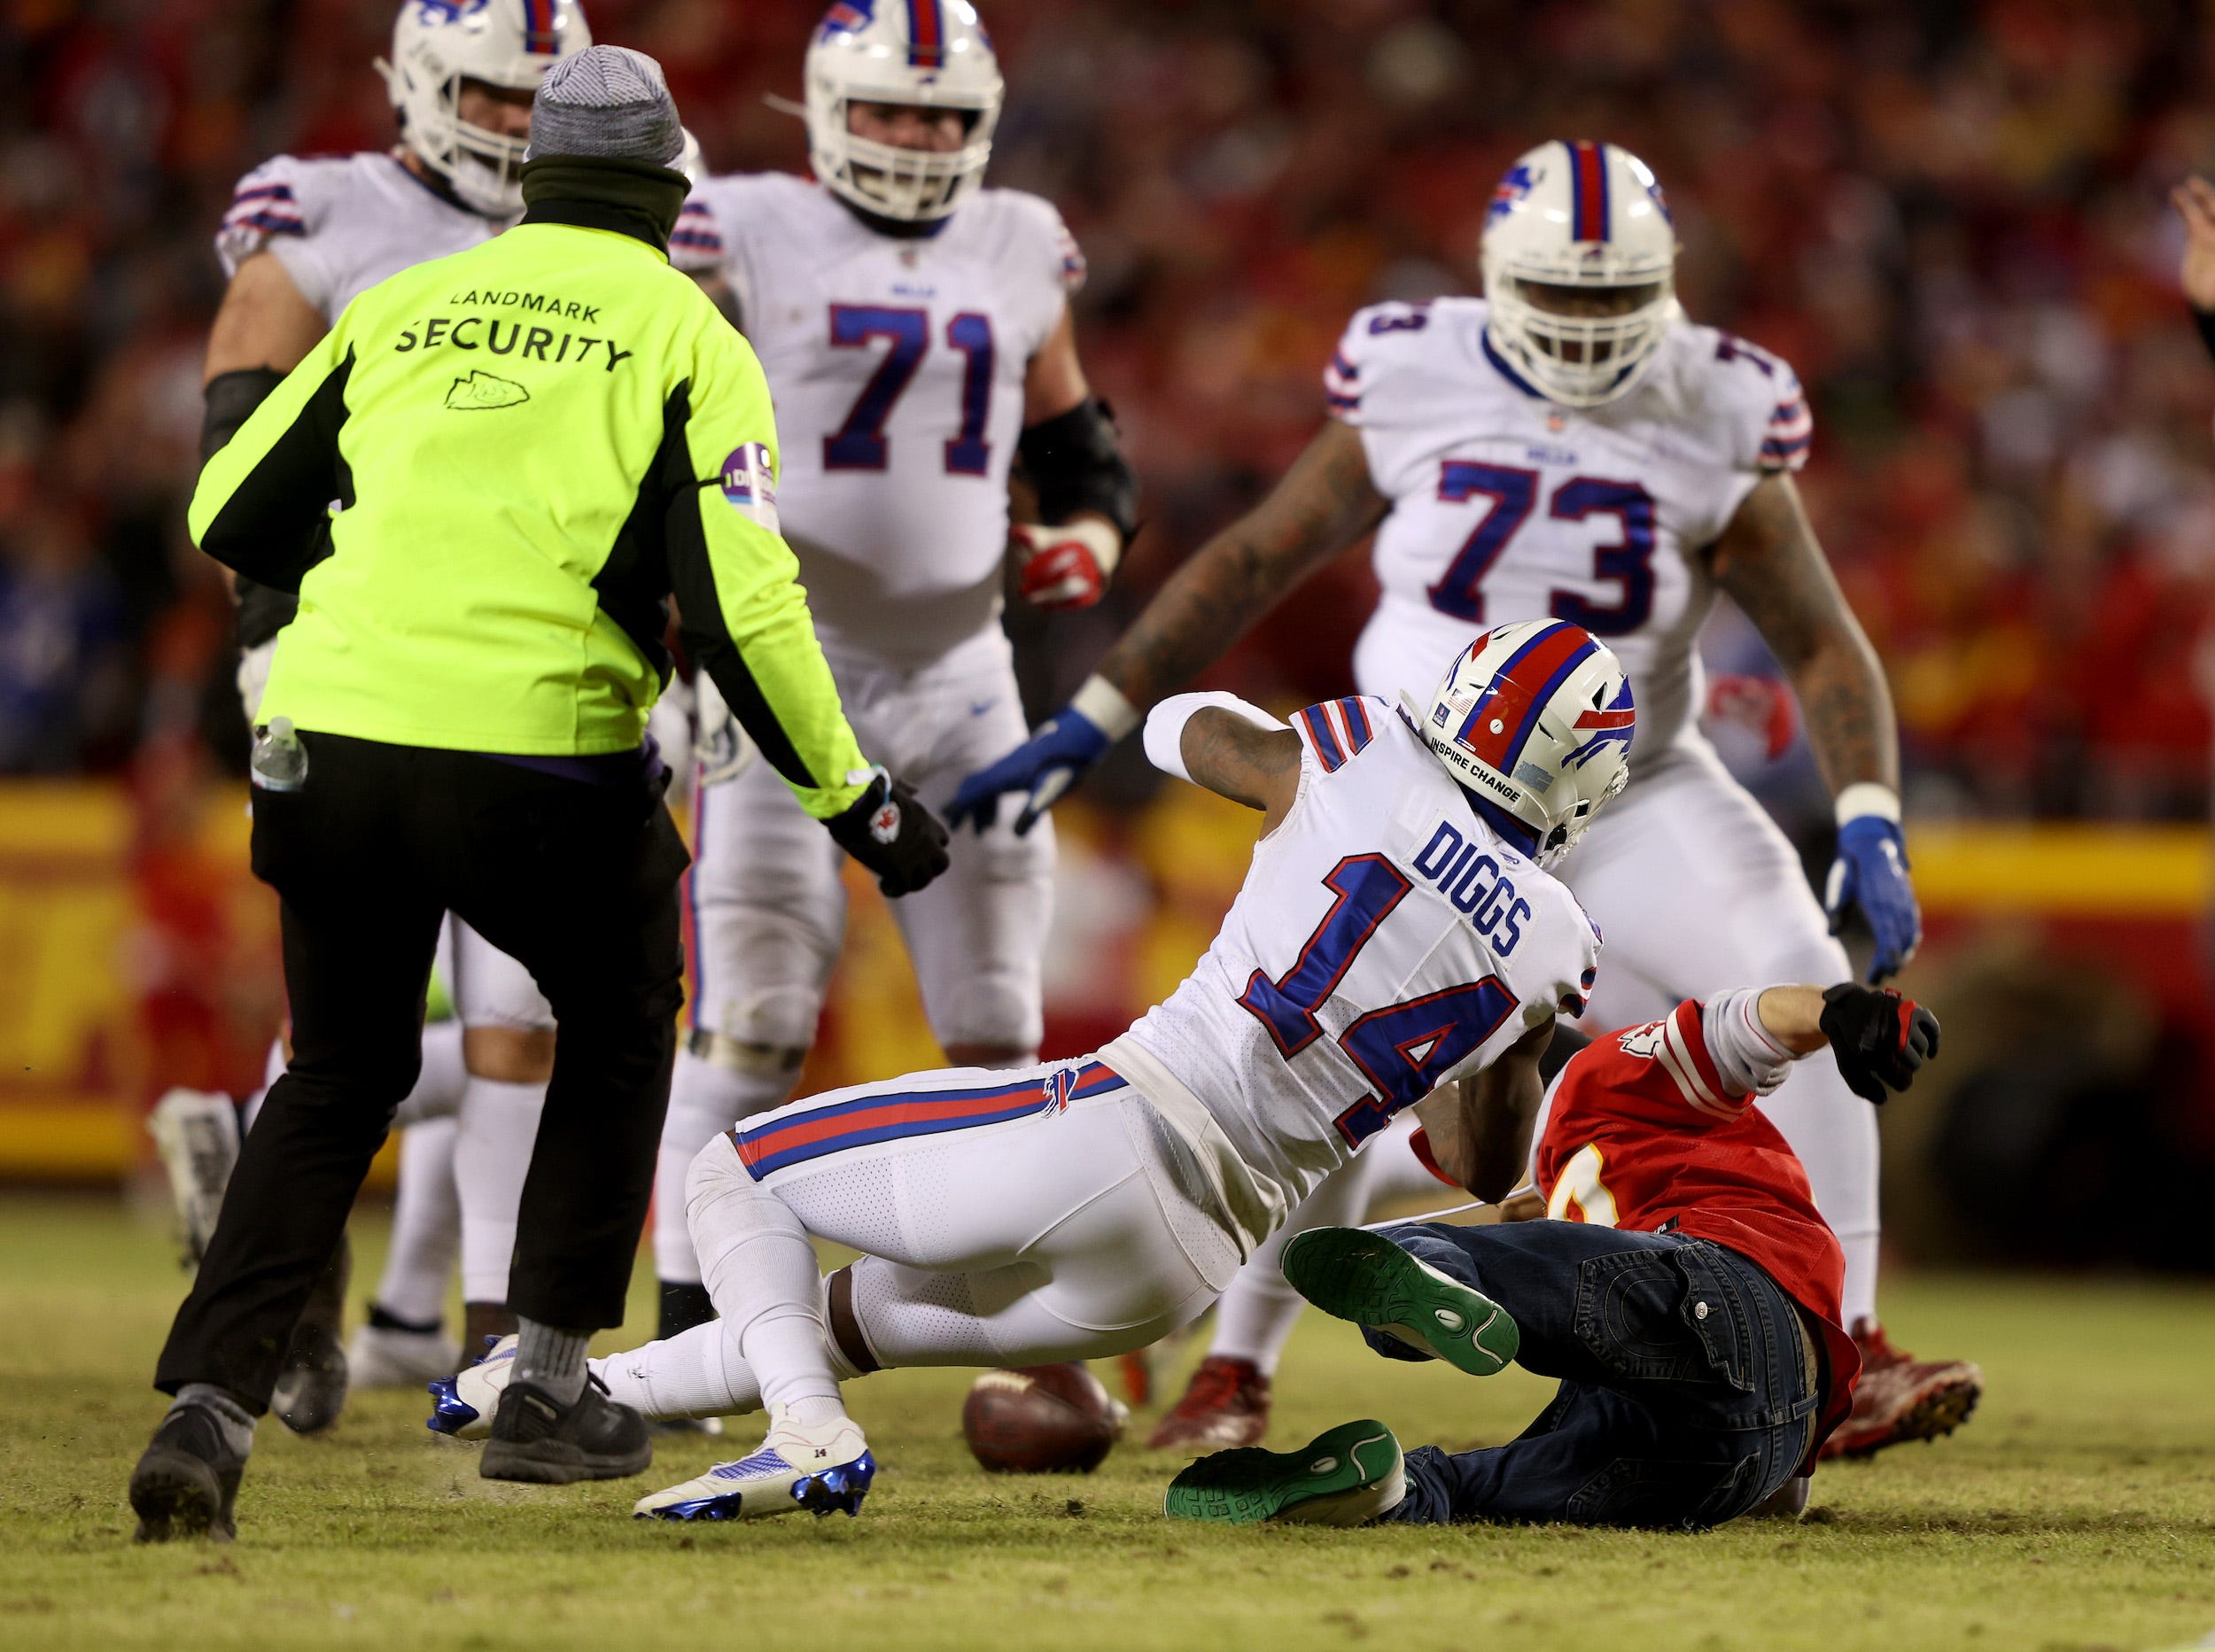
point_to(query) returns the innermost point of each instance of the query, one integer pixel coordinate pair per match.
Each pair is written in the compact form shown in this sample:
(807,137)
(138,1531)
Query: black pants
(578,881)
(1687,1391)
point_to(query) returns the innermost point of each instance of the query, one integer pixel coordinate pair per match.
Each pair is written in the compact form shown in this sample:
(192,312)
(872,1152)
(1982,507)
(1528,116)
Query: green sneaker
(1365,1278)
(1345,1478)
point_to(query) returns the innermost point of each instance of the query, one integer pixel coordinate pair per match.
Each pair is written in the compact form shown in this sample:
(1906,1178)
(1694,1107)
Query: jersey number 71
(1404,1049)
(861,444)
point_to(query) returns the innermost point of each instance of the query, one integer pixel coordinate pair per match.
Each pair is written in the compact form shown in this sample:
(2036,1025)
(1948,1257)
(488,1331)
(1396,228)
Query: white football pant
(1004,1218)
(769,910)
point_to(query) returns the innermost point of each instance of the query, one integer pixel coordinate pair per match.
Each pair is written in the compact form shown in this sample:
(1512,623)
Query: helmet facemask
(440,50)
(1581,354)
(1580,262)
(890,180)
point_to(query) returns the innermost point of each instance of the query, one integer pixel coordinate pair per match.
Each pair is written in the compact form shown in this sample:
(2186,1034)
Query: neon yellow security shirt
(485,483)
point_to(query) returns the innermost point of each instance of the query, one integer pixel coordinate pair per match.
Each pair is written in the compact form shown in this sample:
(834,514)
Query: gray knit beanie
(606,101)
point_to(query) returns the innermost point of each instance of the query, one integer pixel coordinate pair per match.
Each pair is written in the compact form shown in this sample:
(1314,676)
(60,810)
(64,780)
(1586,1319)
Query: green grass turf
(2076,1510)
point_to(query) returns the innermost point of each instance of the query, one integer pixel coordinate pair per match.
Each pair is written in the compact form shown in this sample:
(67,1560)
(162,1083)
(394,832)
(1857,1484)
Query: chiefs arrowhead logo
(885,825)
(482,389)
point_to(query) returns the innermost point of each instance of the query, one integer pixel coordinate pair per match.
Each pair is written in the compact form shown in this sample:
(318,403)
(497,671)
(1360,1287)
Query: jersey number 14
(1404,1050)
(861,444)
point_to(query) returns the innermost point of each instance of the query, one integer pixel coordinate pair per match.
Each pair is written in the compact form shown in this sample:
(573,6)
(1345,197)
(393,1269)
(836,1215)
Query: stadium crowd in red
(1951,218)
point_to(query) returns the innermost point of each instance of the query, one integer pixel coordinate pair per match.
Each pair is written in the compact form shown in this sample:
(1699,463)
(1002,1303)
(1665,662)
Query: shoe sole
(176,1495)
(1366,1278)
(1354,1467)
(1932,1418)
(557,1462)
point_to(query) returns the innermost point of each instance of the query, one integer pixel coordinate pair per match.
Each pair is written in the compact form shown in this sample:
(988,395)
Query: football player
(1571,444)
(301,238)
(1396,930)
(1720,1364)
(915,329)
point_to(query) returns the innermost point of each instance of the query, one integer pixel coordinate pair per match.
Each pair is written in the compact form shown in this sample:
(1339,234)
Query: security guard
(485,485)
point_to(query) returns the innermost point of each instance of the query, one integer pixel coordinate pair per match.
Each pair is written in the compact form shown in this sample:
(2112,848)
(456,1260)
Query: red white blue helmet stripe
(542,28)
(925,34)
(1587,192)
(1499,724)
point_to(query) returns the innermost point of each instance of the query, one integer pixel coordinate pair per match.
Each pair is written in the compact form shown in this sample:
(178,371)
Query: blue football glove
(1043,767)
(1872,873)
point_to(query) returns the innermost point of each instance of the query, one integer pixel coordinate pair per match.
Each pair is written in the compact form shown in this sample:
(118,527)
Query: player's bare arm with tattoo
(1322,504)
(1768,562)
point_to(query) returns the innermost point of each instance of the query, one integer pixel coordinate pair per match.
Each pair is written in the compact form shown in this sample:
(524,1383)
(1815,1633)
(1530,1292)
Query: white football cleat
(378,1356)
(818,1468)
(467,1401)
(195,1132)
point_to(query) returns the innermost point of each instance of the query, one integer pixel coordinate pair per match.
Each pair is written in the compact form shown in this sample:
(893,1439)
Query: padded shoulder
(1391,356)
(285,195)
(1740,402)
(1030,229)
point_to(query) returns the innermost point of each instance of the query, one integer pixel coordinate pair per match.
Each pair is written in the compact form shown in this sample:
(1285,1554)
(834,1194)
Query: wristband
(1165,725)
(1865,798)
(1104,706)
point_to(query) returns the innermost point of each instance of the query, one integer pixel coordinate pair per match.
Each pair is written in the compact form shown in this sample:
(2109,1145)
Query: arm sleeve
(265,496)
(746,619)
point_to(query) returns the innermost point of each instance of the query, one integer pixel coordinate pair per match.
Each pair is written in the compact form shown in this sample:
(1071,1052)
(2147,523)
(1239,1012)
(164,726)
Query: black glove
(887,830)
(1877,1038)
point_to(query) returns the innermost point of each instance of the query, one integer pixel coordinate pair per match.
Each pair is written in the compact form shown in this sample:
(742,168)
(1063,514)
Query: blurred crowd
(1951,216)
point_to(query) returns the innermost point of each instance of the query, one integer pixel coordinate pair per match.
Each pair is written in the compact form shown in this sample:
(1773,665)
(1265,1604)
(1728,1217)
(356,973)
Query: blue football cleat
(463,1405)
(819,1469)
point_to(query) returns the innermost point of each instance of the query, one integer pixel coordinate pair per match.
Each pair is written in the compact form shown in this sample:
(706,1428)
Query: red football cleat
(1225,1404)
(1900,1398)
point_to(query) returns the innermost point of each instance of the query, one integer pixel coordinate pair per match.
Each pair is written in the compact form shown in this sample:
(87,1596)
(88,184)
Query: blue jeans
(1687,1390)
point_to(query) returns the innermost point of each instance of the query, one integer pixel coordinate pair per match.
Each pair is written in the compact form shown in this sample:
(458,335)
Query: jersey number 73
(1404,1049)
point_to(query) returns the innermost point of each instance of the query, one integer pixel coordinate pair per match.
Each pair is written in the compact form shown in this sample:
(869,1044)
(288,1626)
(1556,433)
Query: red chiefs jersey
(1643,1130)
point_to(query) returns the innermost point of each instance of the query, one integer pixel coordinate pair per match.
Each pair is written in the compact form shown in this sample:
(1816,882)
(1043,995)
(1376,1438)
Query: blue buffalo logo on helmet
(848,17)
(1510,190)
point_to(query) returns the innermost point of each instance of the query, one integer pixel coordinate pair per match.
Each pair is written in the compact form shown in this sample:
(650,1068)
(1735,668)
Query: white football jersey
(339,224)
(1505,506)
(1385,942)
(897,367)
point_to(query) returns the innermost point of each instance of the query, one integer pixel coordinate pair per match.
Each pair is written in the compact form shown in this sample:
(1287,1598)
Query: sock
(1834,1132)
(1858,1301)
(761,1272)
(551,1359)
(426,1226)
(233,1420)
(704,1100)
(440,1081)
(382,1318)
(500,1128)
(698,1374)
(1257,1313)
(272,1070)
(683,1306)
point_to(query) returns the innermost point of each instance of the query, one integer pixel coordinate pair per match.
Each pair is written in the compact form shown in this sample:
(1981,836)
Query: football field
(2076,1510)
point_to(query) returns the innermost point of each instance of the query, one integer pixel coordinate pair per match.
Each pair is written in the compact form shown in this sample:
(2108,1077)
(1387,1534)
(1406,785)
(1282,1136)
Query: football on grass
(1044,1419)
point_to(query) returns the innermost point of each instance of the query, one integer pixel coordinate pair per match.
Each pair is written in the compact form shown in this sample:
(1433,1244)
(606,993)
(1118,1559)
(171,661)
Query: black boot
(187,1479)
(537,1439)
(311,1384)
